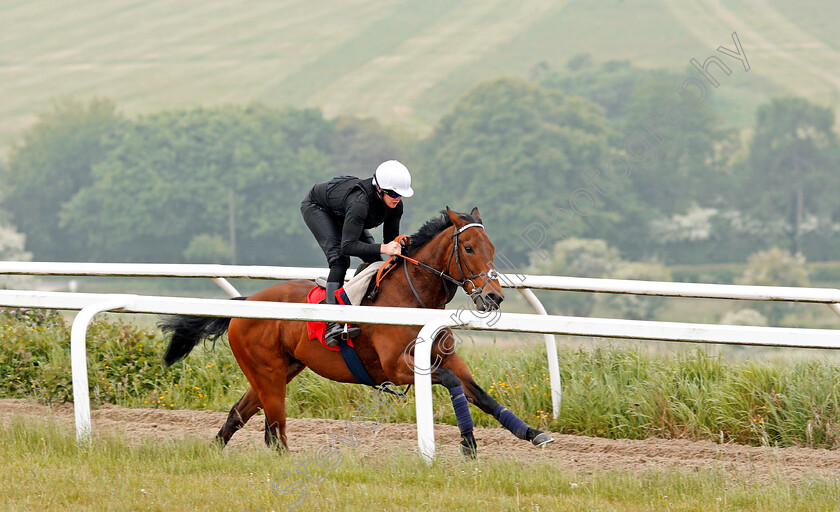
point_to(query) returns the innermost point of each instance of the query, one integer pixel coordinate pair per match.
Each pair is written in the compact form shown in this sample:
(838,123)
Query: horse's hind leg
(273,398)
(274,403)
(249,405)
(486,403)
(246,407)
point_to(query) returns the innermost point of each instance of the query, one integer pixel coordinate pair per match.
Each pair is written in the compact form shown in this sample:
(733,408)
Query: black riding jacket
(356,204)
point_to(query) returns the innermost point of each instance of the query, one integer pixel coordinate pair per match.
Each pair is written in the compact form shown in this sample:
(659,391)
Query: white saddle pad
(356,287)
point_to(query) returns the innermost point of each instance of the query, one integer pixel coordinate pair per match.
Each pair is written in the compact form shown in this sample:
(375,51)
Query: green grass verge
(47,470)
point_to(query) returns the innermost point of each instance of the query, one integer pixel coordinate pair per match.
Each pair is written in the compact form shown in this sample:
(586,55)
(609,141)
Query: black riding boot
(335,331)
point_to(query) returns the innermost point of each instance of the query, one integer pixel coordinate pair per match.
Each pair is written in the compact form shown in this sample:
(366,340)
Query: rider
(341,211)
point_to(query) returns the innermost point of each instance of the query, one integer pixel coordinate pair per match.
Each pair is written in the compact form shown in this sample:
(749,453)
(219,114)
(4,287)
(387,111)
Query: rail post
(551,351)
(423,369)
(78,361)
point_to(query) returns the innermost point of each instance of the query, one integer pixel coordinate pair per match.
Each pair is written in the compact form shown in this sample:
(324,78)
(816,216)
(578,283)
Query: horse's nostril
(495,299)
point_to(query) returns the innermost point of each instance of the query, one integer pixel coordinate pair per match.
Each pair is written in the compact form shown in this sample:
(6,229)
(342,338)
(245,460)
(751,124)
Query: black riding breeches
(327,230)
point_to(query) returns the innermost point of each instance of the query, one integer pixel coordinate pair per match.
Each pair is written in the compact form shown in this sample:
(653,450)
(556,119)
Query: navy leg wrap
(509,420)
(462,410)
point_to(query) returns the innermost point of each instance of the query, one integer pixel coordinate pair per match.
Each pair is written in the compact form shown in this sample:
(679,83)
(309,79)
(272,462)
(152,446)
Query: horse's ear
(475,214)
(453,217)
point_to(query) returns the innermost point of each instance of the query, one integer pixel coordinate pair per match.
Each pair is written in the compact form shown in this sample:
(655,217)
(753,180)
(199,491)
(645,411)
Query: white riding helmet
(392,175)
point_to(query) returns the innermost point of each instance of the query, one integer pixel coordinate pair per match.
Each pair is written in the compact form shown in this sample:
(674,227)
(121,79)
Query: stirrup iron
(350,332)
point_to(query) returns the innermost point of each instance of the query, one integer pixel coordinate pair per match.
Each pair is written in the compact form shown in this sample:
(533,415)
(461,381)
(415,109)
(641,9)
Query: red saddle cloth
(317,330)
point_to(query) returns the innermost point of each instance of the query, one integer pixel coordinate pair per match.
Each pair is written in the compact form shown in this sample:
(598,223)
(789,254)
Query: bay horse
(450,251)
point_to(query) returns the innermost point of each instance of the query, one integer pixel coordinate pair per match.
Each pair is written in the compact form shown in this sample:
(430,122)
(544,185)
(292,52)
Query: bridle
(461,262)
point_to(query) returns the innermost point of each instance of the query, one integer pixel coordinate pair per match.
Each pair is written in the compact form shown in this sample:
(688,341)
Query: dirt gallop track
(575,453)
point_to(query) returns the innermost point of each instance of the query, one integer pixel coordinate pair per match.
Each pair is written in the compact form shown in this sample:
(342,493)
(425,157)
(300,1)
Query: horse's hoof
(468,451)
(542,439)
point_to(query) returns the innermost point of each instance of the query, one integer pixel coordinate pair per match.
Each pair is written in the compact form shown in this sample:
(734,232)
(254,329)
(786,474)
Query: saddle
(317,330)
(352,293)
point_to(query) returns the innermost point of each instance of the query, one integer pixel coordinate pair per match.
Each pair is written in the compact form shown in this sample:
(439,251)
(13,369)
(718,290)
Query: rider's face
(389,201)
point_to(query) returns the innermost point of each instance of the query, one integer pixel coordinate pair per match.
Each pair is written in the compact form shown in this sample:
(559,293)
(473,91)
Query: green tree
(792,173)
(519,152)
(363,144)
(611,85)
(52,163)
(208,249)
(234,173)
(672,142)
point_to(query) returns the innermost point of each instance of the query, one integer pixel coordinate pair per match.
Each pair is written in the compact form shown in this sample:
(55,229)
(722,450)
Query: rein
(403,241)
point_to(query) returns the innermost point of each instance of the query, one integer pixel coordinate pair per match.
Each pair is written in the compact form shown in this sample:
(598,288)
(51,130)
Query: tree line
(592,148)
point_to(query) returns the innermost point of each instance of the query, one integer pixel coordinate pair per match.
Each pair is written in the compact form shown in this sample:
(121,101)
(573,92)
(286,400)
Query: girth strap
(354,363)
(351,359)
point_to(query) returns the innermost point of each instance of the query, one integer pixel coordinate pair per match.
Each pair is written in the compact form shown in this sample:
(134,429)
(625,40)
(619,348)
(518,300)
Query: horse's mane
(431,229)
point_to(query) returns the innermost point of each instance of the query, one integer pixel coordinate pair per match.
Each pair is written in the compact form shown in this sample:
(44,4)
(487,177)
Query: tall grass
(52,472)
(612,391)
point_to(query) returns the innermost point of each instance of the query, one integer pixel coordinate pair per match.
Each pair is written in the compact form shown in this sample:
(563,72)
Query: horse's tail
(188,331)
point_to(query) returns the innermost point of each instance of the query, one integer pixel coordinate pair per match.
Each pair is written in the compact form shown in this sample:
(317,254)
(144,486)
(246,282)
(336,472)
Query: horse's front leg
(450,381)
(486,403)
(397,364)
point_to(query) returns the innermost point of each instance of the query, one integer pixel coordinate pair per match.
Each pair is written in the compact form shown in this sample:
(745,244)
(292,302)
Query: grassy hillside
(402,62)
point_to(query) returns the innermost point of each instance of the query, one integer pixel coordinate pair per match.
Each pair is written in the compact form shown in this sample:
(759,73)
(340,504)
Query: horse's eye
(468,248)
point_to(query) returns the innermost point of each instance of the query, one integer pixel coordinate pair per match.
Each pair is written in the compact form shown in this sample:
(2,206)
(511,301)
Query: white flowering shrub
(12,249)
(696,224)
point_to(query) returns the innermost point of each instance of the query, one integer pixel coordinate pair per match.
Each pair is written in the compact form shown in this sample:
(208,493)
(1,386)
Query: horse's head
(471,261)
